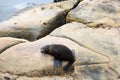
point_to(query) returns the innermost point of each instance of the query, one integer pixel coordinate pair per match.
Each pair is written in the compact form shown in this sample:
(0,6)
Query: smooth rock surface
(103,41)
(36,22)
(94,13)
(7,42)
(97,50)
(26,58)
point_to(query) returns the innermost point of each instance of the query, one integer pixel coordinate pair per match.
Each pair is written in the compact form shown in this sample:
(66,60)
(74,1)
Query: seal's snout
(42,50)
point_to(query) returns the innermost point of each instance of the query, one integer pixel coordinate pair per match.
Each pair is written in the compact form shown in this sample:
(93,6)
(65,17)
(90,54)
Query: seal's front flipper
(57,66)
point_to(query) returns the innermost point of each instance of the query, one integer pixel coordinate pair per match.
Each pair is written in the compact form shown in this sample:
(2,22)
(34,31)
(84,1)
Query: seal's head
(45,49)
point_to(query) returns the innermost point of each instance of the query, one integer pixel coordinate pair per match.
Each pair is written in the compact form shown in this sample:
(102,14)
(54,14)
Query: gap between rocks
(76,4)
(114,71)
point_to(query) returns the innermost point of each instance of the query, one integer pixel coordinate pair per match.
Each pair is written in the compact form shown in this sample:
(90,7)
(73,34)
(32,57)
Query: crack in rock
(83,46)
(114,71)
(9,46)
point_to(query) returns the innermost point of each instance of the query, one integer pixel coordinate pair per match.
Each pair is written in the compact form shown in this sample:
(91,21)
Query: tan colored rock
(94,13)
(37,21)
(95,72)
(26,59)
(6,76)
(46,78)
(105,42)
(7,42)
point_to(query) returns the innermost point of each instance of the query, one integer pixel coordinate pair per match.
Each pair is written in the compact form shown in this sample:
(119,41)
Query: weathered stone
(37,21)
(95,72)
(94,13)
(7,42)
(26,59)
(6,76)
(97,50)
(46,78)
(105,41)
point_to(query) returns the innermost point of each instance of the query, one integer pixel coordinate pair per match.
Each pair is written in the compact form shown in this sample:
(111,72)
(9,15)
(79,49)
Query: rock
(95,72)
(7,42)
(6,76)
(26,59)
(94,36)
(46,78)
(94,13)
(105,41)
(36,22)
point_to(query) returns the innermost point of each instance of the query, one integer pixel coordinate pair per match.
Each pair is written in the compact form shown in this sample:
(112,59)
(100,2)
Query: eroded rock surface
(37,21)
(26,59)
(97,50)
(94,13)
(103,41)
(95,72)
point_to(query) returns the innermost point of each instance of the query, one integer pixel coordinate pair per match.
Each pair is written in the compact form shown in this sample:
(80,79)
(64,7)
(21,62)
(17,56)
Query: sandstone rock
(26,59)
(6,76)
(105,42)
(46,78)
(97,50)
(7,42)
(94,13)
(37,21)
(95,72)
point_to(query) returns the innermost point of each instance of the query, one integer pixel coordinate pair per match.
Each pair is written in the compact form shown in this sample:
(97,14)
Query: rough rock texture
(97,13)
(37,21)
(7,76)
(46,78)
(102,41)
(7,42)
(95,72)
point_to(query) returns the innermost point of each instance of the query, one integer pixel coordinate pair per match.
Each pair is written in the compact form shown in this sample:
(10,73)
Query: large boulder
(35,22)
(26,58)
(96,13)
(97,50)
(102,41)
(7,42)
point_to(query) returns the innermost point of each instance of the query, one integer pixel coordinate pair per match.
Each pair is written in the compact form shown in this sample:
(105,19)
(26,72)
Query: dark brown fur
(60,52)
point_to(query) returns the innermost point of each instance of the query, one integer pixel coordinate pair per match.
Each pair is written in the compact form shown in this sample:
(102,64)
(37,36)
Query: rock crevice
(84,46)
